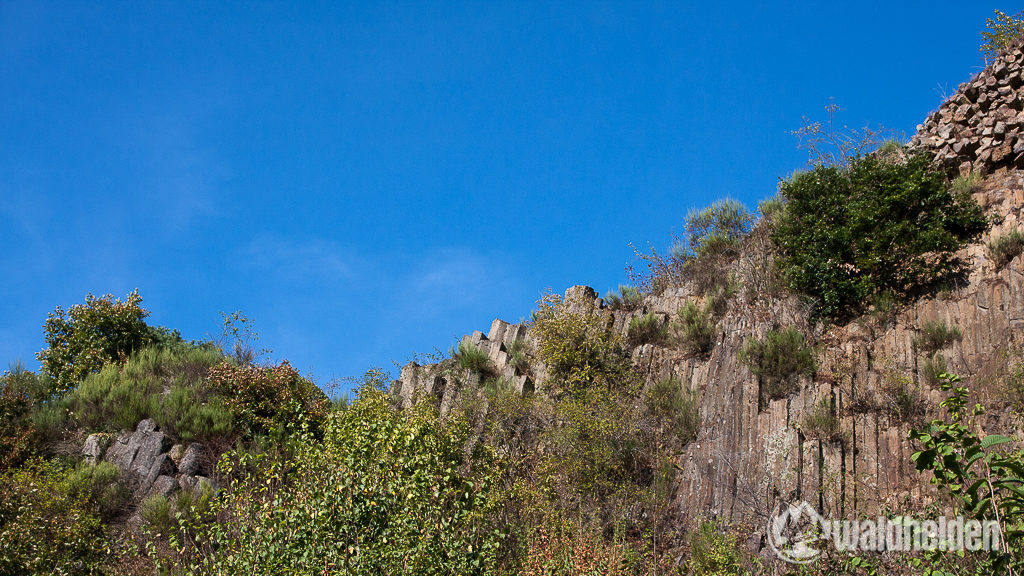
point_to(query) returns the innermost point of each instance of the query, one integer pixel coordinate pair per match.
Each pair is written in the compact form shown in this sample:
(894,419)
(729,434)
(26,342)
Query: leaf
(994,440)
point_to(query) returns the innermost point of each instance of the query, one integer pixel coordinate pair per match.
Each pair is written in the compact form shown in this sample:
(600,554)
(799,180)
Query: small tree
(1001,32)
(89,336)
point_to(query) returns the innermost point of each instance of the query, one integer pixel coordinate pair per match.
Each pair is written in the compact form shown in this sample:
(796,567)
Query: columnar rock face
(750,456)
(980,127)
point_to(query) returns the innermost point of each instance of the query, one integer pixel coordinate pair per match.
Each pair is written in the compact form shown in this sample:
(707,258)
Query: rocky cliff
(749,455)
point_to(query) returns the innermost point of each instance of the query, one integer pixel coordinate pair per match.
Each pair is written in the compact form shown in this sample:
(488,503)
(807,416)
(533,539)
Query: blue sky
(368,180)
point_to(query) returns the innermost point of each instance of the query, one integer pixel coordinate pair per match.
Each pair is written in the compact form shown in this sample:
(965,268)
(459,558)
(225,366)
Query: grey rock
(192,461)
(163,486)
(95,447)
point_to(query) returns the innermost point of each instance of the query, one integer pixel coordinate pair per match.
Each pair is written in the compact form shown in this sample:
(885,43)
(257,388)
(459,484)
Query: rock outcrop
(749,456)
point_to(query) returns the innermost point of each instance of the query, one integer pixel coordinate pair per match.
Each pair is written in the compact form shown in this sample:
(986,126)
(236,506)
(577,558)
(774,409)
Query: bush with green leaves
(20,392)
(383,492)
(473,358)
(578,347)
(676,408)
(628,298)
(778,360)
(47,525)
(167,384)
(849,233)
(696,328)
(715,552)
(936,334)
(89,336)
(650,328)
(822,423)
(1000,33)
(983,481)
(1006,247)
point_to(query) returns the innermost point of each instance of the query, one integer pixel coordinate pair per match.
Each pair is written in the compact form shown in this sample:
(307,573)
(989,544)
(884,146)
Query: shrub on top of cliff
(20,392)
(1006,247)
(1000,33)
(473,358)
(713,237)
(91,335)
(647,329)
(576,344)
(628,298)
(268,400)
(777,360)
(851,232)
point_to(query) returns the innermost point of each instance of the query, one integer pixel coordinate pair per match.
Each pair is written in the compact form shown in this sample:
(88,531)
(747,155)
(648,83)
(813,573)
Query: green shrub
(902,400)
(578,348)
(163,383)
(46,525)
(821,423)
(182,416)
(696,328)
(678,408)
(647,329)
(777,360)
(519,354)
(1000,33)
(382,492)
(473,358)
(628,298)
(156,511)
(936,334)
(100,484)
(967,184)
(931,368)
(850,233)
(89,336)
(715,552)
(20,391)
(1006,247)
(265,400)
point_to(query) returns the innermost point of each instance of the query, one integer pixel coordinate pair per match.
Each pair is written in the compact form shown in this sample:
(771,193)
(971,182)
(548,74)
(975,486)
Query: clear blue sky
(366,180)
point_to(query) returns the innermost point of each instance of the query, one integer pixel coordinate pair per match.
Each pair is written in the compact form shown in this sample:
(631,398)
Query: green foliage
(1006,247)
(473,358)
(821,423)
(647,329)
(100,484)
(676,407)
(519,354)
(20,391)
(1000,33)
(579,349)
(164,383)
(902,400)
(628,298)
(267,400)
(383,492)
(967,184)
(89,336)
(696,328)
(715,552)
(935,335)
(777,360)
(931,368)
(46,524)
(984,482)
(717,229)
(849,233)
(156,511)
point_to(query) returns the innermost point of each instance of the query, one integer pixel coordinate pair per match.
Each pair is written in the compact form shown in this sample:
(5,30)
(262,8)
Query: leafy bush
(268,399)
(647,329)
(579,349)
(46,526)
(967,184)
(100,484)
(628,298)
(1006,247)
(931,368)
(715,552)
(156,511)
(676,407)
(936,334)
(821,423)
(473,358)
(163,383)
(89,336)
(696,328)
(777,360)
(1000,33)
(20,390)
(519,354)
(850,233)
(983,482)
(383,492)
